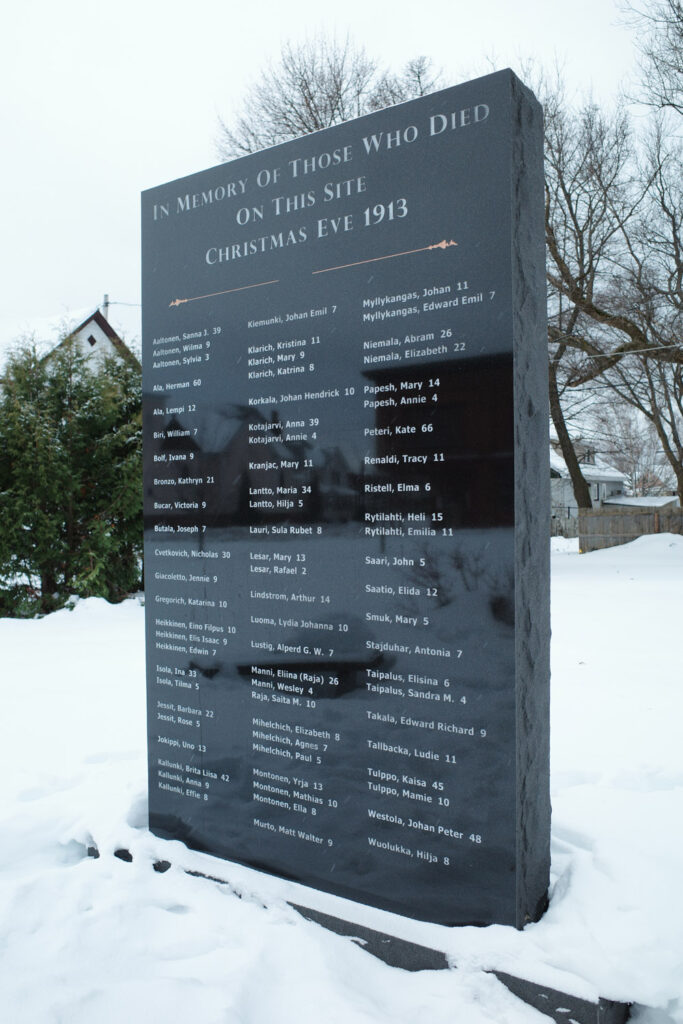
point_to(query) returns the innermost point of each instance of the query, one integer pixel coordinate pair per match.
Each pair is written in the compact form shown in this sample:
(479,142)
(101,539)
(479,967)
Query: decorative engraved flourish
(443,244)
(227,291)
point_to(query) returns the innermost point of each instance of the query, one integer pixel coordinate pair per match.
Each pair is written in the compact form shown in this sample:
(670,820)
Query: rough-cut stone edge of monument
(532,504)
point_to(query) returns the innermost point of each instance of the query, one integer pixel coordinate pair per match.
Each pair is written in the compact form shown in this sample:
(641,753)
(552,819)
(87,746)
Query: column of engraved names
(423,718)
(289,612)
(189,627)
(422,713)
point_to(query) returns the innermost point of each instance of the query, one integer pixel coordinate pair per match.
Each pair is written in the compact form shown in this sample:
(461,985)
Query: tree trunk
(48,588)
(579,485)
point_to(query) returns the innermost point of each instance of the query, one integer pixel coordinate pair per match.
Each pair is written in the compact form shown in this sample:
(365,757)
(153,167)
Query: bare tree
(417,78)
(589,198)
(655,390)
(315,85)
(660,42)
(630,442)
(614,209)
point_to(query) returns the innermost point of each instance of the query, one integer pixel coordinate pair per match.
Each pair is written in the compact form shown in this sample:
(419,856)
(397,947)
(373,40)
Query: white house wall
(101,350)
(563,502)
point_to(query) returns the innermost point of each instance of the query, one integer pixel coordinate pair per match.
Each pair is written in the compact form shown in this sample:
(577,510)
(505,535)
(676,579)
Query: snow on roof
(649,501)
(601,471)
(558,464)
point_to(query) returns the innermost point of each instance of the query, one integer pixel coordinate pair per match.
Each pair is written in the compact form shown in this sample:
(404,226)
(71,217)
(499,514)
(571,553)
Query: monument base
(410,956)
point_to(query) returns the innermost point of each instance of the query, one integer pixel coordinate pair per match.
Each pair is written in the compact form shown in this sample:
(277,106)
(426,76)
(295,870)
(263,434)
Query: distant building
(96,339)
(604,482)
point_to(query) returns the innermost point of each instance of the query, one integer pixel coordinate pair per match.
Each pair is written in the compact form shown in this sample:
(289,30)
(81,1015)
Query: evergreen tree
(70,480)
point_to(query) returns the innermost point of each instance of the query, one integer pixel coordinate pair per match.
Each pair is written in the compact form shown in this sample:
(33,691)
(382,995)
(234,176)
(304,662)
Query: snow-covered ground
(98,941)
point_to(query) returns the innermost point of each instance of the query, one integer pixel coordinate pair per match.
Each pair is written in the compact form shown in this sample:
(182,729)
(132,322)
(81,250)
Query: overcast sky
(100,101)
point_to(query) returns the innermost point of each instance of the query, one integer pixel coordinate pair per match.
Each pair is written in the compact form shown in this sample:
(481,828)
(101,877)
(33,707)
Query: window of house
(92,340)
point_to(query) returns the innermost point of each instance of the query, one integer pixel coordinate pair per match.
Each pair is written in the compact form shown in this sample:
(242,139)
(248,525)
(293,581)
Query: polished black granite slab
(346,552)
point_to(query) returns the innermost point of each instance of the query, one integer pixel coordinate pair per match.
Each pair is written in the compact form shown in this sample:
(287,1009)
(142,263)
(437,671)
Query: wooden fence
(607,527)
(564,526)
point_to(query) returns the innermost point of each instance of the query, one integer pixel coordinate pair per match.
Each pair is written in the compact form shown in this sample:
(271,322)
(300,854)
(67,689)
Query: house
(97,340)
(604,482)
(95,335)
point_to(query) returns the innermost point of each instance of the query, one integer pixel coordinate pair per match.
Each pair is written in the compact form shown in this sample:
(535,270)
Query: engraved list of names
(332,496)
